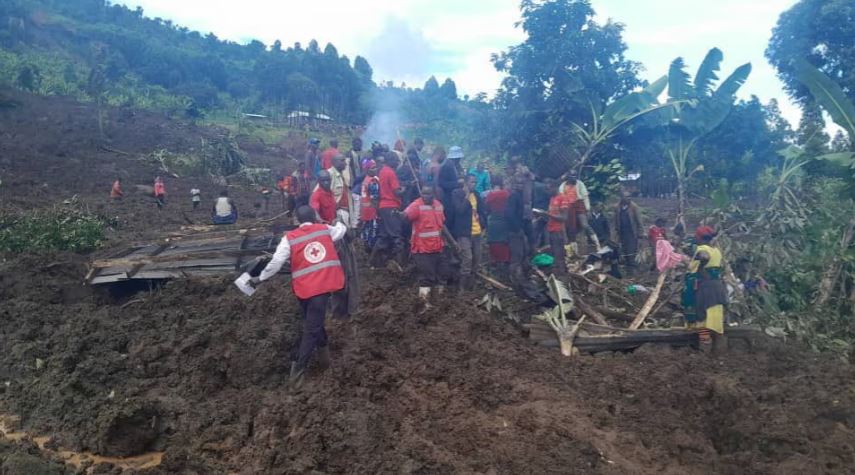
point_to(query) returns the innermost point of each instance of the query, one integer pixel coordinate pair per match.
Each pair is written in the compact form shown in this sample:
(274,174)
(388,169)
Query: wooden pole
(651,301)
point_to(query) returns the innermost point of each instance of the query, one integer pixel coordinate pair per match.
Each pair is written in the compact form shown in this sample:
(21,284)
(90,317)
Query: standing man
(557,216)
(515,219)
(316,272)
(580,203)
(159,192)
(354,159)
(313,159)
(600,224)
(482,177)
(628,227)
(497,227)
(428,217)
(340,186)
(408,177)
(322,200)
(346,301)
(445,178)
(390,235)
(301,185)
(329,154)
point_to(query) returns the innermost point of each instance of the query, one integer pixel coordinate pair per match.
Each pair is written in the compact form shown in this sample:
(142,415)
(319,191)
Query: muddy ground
(197,371)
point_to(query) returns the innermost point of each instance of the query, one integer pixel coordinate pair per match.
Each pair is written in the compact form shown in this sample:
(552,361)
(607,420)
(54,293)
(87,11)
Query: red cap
(703,231)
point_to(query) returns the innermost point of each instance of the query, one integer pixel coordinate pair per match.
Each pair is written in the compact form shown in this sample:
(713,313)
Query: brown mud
(197,371)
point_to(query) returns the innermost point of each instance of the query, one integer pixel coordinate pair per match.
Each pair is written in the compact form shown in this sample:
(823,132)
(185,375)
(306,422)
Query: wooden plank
(107,279)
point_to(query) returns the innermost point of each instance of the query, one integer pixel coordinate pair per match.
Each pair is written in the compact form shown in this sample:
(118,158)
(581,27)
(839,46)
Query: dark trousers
(519,253)
(628,248)
(432,268)
(314,335)
(390,233)
(345,302)
(538,234)
(557,241)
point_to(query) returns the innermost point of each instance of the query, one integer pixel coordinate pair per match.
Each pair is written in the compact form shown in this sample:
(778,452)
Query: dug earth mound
(198,372)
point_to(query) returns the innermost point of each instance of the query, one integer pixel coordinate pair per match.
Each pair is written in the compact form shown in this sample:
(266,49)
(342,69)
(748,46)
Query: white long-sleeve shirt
(283,250)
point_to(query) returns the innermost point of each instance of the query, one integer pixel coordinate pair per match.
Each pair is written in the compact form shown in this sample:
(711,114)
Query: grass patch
(53,230)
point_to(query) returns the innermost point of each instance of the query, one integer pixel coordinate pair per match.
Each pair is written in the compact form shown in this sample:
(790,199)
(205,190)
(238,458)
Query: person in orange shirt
(116,192)
(426,246)
(558,212)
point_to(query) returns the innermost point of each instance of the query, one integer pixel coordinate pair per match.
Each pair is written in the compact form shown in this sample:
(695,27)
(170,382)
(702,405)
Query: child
(195,197)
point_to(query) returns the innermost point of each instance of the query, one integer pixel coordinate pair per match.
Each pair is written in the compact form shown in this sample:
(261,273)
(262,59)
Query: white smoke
(386,122)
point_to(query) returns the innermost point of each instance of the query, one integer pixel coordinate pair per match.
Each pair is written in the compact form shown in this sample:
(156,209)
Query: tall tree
(820,31)
(448,90)
(567,62)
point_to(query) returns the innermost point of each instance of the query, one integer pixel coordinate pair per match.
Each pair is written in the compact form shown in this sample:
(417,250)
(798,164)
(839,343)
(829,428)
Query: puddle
(76,459)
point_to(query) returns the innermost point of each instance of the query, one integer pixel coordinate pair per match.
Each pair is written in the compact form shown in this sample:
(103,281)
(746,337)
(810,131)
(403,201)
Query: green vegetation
(54,230)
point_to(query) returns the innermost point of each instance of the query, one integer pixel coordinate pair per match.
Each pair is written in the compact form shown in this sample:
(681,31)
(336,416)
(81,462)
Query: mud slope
(51,150)
(198,371)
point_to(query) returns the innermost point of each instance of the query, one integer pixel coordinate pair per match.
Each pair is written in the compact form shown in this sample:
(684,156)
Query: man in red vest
(316,272)
(428,217)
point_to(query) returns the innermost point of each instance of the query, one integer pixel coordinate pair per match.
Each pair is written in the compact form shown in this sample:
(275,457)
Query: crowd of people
(408,208)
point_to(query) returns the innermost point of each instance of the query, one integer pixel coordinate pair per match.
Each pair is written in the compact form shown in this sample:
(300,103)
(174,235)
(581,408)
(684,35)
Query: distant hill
(68,47)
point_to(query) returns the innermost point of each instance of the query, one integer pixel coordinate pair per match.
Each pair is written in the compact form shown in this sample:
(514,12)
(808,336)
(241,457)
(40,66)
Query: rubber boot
(424,295)
(467,282)
(323,354)
(295,380)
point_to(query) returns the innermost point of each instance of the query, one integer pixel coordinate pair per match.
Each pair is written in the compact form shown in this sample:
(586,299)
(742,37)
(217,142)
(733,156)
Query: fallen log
(590,311)
(494,282)
(629,341)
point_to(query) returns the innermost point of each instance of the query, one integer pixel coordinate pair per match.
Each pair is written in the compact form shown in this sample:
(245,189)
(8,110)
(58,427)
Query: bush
(55,230)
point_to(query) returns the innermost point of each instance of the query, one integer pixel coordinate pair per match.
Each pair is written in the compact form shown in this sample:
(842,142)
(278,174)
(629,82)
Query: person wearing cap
(705,295)
(316,272)
(447,178)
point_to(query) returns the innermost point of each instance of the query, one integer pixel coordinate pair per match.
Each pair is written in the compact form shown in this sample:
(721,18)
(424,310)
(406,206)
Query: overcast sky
(409,40)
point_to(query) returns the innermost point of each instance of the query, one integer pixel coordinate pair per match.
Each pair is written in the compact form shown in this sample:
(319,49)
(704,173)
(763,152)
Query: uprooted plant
(557,316)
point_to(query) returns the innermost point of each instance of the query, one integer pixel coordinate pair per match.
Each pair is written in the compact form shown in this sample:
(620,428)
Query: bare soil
(198,371)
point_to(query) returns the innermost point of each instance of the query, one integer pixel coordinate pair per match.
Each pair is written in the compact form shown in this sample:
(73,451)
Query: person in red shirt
(390,236)
(116,192)
(558,211)
(428,217)
(329,154)
(159,192)
(323,200)
(316,272)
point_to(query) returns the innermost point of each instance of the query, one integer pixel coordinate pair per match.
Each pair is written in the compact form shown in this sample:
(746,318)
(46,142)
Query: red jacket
(427,226)
(327,158)
(324,203)
(315,266)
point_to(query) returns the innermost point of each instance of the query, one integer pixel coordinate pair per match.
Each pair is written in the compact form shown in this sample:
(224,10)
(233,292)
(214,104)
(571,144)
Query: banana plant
(616,115)
(830,96)
(699,108)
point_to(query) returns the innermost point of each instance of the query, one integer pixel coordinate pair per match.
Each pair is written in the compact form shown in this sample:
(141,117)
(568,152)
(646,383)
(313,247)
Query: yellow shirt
(476,224)
(715,258)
